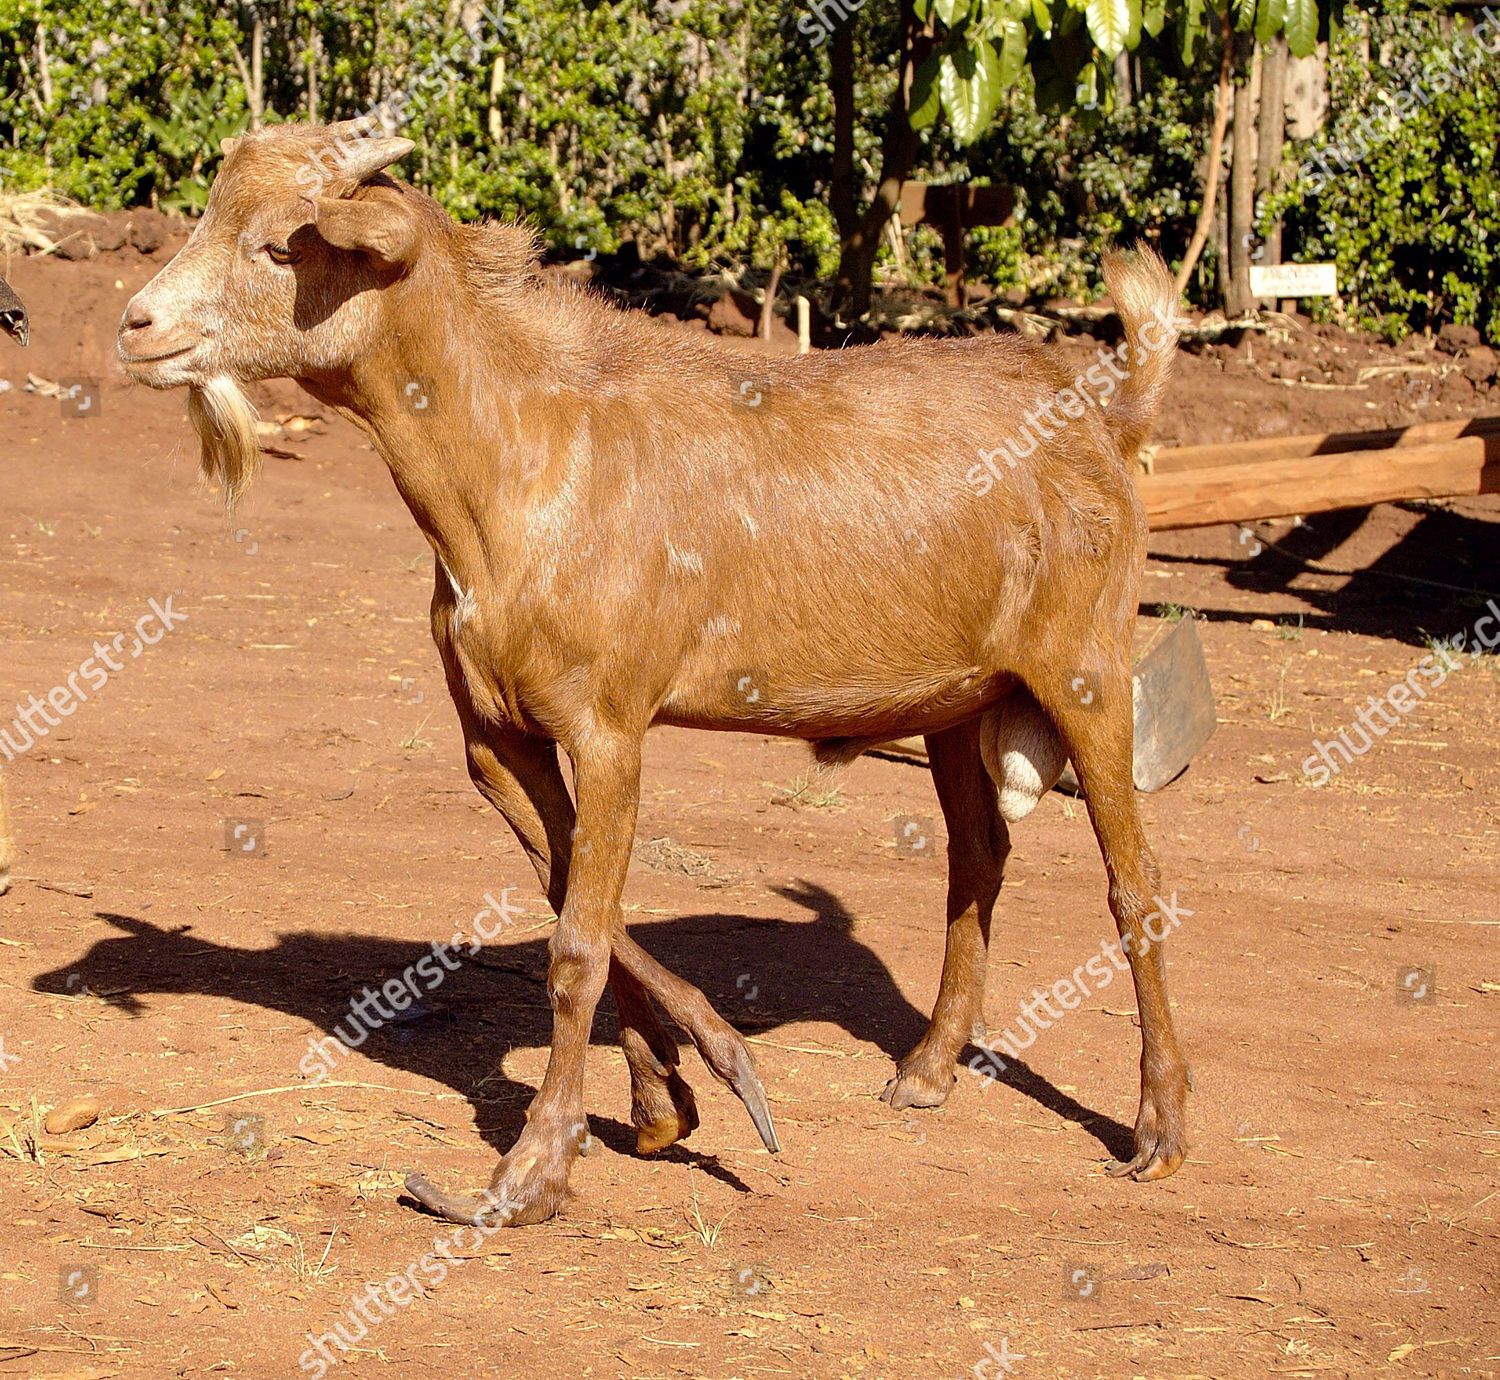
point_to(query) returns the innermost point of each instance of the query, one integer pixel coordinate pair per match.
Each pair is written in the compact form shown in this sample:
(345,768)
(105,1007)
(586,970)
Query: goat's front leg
(531,1181)
(521,778)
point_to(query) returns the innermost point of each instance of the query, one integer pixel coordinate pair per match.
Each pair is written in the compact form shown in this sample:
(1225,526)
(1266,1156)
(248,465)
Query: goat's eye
(280,254)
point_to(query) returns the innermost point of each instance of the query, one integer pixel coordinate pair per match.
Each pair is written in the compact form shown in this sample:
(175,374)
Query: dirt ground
(266,810)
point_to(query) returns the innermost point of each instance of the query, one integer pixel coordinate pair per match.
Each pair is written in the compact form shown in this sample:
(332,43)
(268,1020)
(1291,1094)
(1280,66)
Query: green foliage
(199,122)
(1403,190)
(706,131)
(1121,174)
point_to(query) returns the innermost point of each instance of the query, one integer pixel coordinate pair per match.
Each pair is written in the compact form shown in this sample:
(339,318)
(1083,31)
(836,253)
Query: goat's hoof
(658,1135)
(747,1086)
(530,1183)
(917,1085)
(1160,1142)
(1146,1166)
(659,1126)
(491,1210)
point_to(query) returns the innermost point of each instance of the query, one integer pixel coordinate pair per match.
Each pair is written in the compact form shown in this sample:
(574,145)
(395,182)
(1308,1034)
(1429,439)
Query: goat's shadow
(758,973)
(1393,595)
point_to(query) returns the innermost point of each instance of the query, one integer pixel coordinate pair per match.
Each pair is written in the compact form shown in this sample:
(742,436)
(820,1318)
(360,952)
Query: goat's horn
(366,156)
(361,127)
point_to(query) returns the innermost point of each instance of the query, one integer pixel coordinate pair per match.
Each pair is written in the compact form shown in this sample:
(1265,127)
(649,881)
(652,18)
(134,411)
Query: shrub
(1413,223)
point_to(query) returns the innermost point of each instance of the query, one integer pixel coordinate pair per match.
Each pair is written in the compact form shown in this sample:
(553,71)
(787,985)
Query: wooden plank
(1321,483)
(943,203)
(1317,443)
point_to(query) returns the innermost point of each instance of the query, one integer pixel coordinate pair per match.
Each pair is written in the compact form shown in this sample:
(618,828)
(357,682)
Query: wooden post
(954,208)
(1237,299)
(953,259)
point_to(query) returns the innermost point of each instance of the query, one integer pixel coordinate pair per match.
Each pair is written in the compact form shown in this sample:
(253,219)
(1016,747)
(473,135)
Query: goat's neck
(452,439)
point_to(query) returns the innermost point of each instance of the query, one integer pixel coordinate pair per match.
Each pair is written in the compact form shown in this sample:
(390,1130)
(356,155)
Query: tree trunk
(314,62)
(841,192)
(1237,299)
(1211,172)
(1221,250)
(1272,122)
(768,307)
(257,72)
(898,154)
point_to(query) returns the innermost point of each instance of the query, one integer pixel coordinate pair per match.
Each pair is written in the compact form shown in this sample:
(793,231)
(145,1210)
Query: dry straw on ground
(29,221)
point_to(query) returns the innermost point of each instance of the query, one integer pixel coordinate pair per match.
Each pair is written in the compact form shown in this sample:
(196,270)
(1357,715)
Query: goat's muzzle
(156,354)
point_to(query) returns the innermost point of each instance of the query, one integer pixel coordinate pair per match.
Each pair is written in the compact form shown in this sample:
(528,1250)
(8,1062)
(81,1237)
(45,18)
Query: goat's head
(281,278)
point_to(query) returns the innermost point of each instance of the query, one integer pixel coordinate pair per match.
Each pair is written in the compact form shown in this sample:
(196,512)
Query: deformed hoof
(469,1212)
(747,1086)
(922,1080)
(1145,1167)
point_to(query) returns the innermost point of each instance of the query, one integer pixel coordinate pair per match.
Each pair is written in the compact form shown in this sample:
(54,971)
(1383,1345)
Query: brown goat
(12,321)
(630,532)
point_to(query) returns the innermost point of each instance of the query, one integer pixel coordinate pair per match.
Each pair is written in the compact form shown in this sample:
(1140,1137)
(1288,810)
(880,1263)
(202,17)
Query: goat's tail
(1146,298)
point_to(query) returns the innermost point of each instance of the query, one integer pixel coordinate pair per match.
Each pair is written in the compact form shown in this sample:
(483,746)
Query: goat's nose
(137,318)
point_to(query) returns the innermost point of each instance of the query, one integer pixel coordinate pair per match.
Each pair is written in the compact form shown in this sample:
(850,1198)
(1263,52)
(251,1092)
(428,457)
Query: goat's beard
(225,420)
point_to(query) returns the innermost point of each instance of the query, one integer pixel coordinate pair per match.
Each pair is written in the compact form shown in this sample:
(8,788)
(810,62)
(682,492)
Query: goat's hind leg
(522,779)
(978,843)
(1099,738)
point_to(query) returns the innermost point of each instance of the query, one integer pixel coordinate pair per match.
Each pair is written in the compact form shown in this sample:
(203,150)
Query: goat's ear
(379,226)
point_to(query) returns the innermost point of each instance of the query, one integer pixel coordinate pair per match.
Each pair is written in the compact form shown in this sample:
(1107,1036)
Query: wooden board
(1174,707)
(1318,443)
(927,203)
(1321,483)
